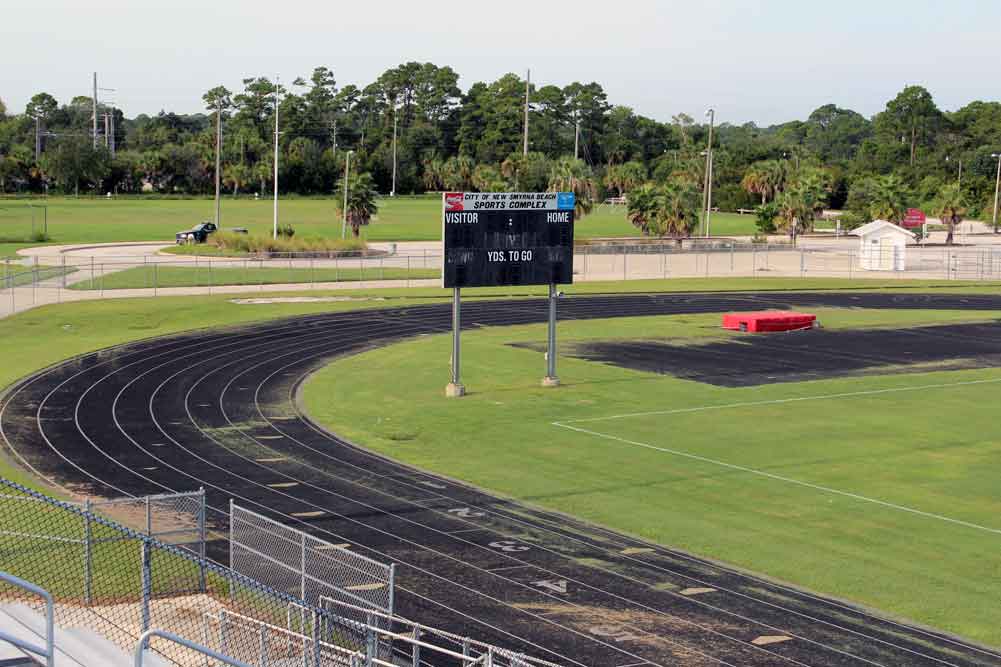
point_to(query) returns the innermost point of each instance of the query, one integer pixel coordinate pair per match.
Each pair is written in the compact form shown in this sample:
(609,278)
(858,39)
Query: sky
(768,61)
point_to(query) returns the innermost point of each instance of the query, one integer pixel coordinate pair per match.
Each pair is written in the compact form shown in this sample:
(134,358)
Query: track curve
(200,409)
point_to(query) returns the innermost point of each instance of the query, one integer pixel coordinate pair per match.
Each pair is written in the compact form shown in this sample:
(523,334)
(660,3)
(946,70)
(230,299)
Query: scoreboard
(493,239)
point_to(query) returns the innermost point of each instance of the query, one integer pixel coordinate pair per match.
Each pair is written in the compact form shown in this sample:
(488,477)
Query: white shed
(883,246)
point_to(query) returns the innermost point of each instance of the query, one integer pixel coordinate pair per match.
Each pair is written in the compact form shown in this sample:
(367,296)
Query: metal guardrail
(49,652)
(140,650)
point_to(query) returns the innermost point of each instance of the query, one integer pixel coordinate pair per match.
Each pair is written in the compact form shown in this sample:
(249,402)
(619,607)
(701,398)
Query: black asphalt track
(810,354)
(196,410)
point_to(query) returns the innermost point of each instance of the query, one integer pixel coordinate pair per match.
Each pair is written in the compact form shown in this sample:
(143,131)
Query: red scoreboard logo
(453,201)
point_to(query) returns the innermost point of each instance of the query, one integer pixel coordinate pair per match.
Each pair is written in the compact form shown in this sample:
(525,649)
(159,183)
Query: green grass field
(184,276)
(90,220)
(746,499)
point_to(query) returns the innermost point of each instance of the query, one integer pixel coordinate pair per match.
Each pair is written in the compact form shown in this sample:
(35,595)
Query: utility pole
(218,159)
(107,130)
(344,212)
(112,133)
(528,84)
(576,139)
(333,137)
(997,185)
(94,100)
(392,191)
(38,137)
(275,224)
(711,113)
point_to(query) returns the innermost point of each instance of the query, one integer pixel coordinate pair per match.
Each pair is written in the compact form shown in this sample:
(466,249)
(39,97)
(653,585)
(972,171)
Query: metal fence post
(88,555)
(232,566)
(210,276)
(731,256)
(802,267)
(149,518)
(392,588)
(147,585)
(302,568)
(370,640)
(315,634)
(416,652)
(312,273)
(201,539)
(382,268)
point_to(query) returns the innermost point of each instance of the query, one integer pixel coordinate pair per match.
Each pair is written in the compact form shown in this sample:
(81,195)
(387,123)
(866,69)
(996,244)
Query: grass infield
(399,219)
(888,499)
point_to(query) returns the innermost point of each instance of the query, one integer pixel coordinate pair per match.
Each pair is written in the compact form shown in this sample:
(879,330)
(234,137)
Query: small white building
(883,246)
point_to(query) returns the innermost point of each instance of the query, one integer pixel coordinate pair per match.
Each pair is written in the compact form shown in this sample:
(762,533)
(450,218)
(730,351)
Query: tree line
(909,154)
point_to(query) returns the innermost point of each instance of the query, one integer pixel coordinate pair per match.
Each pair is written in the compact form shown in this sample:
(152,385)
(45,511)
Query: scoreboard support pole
(551,380)
(454,389)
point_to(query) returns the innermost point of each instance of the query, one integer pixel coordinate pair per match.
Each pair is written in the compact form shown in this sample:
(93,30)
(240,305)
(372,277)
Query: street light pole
(528,85)
(275,223)
(997,183)
(392,191)
(711,113)
(218,145)
(344,212)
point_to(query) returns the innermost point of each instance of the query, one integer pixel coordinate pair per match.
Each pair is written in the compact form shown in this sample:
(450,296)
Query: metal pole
(201,540)
(528,84)
(997,184)
(344,220)
(709,151)
(275,224)
(392,191)
(218,148)
(455,388)
(88,555)
(576,140)
(95,109)
(551,380)
(147,585)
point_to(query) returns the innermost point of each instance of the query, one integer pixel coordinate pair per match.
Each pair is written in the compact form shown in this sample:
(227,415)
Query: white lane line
(781,478)
(778,401)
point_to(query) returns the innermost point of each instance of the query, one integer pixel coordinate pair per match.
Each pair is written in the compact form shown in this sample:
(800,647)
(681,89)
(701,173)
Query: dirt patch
(757,359)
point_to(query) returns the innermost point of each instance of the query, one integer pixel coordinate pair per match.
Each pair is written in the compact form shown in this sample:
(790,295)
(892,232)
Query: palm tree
(755,182)
(487,178)
(950,207)
(797,207)
(236,176)
(572,175)
(889,199)
(625,177)
(361,201)
(434,174)
(457,173)
(671,209)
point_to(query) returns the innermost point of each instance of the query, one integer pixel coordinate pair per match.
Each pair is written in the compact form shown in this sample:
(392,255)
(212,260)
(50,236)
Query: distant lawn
(418,218)
(937,451)
(184,276)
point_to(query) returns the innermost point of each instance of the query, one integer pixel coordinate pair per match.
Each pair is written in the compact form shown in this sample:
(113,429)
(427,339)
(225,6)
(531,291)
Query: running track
(196,410)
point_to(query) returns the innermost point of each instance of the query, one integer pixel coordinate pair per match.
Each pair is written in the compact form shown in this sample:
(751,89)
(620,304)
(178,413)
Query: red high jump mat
(769,320)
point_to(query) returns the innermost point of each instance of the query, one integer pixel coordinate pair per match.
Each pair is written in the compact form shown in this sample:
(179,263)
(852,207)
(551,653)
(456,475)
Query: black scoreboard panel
(486,248)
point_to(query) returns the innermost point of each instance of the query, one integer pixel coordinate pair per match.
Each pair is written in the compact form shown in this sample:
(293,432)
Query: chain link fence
(30,282)
(138,582)
(295,561)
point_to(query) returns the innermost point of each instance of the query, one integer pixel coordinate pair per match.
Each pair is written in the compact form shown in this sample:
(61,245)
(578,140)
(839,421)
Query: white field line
(567,424)
(776,401)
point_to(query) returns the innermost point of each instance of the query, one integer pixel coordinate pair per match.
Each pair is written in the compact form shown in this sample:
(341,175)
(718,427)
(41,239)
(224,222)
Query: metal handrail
(48,652)
(140,651)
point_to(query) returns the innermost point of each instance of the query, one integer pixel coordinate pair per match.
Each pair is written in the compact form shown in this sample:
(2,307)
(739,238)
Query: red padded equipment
(769,320)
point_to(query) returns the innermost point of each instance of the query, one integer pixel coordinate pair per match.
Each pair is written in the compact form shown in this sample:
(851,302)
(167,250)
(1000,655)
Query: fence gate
(303,565)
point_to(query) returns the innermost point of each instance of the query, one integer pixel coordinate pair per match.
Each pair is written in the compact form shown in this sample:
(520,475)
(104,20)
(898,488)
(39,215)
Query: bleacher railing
(139,583)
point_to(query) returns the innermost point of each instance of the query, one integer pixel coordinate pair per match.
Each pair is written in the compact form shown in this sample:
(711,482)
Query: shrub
(765,215)
(286,231)
(253,244)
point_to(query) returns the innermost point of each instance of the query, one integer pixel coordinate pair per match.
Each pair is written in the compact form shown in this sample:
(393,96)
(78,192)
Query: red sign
(453,201)
(915,218)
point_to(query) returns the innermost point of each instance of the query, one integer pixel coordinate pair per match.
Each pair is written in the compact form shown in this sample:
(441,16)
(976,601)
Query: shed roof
(880,225)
